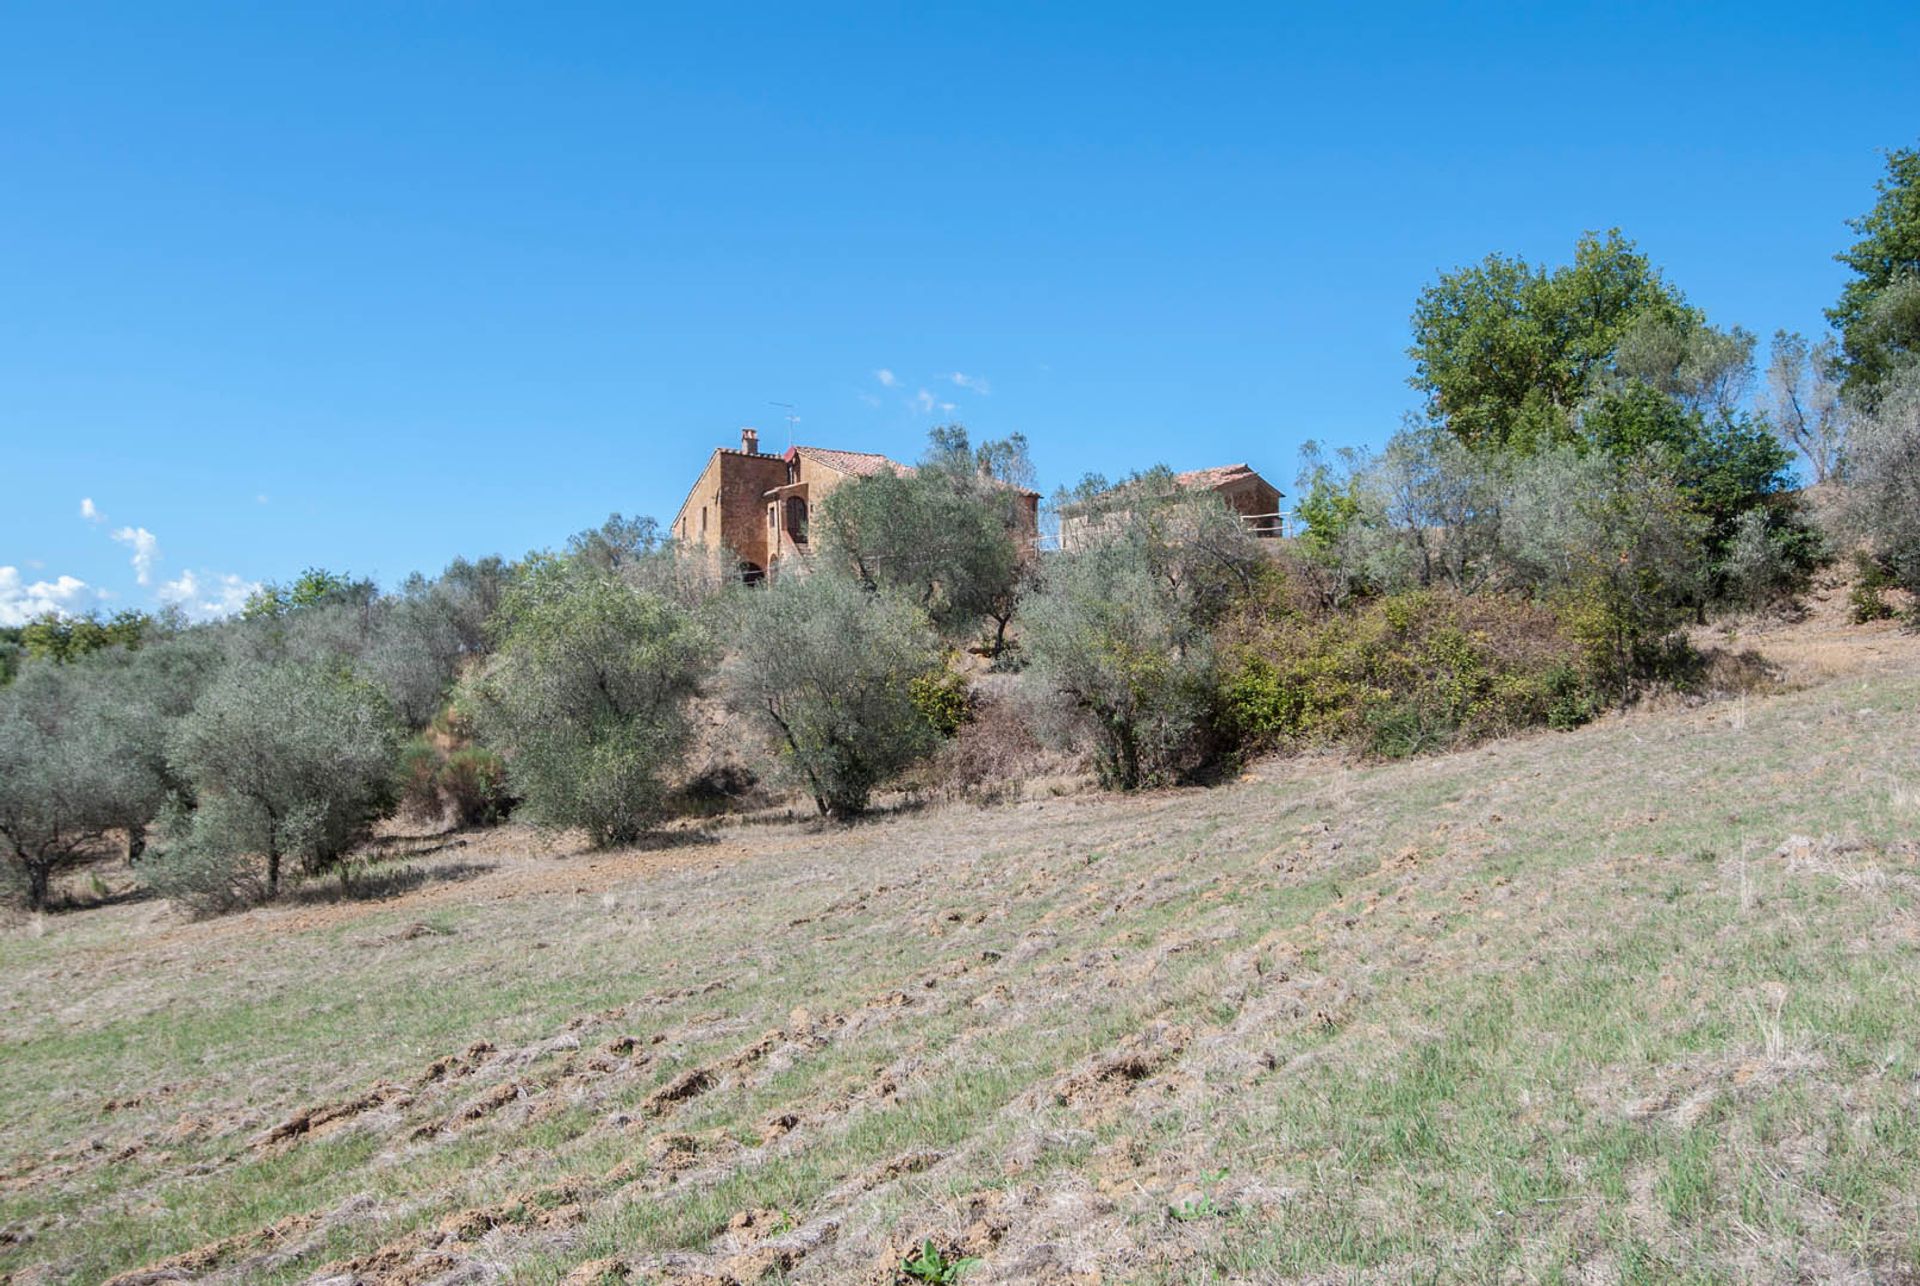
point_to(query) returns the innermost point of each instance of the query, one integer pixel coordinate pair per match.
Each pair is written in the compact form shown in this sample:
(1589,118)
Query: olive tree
(1804,401)
(134,701)
(289,761)
(587,697)
(1112,637)
(1187,539)
(1424,512)
(1615,542)
(56,786)
(615,543)
(412,652)
(1121,628)
(943,536)
(825,669)
(1883,505)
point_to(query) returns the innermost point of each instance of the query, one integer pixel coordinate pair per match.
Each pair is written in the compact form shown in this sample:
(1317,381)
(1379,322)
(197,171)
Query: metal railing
(1267,526)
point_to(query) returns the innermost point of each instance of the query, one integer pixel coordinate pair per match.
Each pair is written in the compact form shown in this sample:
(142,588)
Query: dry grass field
(1636,1003)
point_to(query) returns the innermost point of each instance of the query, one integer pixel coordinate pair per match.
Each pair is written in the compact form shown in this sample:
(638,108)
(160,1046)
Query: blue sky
(372,286)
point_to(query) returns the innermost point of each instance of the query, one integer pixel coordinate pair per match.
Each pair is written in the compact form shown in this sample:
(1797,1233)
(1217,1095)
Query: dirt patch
(328,1117)
(688,1084)
(1115,1074)
(203,1259)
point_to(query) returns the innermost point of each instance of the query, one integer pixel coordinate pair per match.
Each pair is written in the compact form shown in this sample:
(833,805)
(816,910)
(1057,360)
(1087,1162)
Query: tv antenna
(791,419)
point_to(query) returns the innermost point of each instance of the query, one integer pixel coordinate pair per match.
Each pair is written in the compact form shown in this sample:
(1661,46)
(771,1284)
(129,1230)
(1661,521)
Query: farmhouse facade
(759,508)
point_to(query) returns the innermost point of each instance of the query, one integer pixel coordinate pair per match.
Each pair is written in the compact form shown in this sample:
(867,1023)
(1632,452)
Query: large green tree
(54,637)
(1878,313)
(1506,351)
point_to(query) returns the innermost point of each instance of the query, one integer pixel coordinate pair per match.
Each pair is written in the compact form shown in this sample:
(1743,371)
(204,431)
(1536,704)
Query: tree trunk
(1126,754)
(273,872)
(1000,634)
(136,843)
(39,875)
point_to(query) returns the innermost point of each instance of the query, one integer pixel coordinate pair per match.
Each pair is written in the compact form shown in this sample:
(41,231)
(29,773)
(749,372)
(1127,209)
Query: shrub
(1867,600)
(286,761)
(473,784)
(417,784)
(825,671)
(465,784)
(1401,729)
(942,698)
(1768,558)
(718,788)
(586,698)
(1573,700)
(207,880)
(1401,675)
(993,752)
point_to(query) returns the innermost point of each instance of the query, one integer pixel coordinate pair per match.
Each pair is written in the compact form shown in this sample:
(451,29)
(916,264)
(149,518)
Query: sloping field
(1640,1003)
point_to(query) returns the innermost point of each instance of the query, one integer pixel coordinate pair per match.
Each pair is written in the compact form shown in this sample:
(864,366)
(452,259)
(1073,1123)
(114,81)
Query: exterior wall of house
(1255,499)
(725,510)
(804,486)
(1079,531)
(1027,524)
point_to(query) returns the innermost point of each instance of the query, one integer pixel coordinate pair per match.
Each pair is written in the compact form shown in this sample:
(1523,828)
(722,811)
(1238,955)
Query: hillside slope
(1639,1002)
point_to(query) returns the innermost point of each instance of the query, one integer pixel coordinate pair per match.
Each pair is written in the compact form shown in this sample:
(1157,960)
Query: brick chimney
(750,441)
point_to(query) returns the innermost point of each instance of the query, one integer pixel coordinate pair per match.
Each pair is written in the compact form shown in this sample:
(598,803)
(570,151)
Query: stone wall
(730,493)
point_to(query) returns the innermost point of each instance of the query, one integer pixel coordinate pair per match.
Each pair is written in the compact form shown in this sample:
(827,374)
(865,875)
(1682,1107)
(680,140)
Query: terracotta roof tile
(1217,476)
(858,464)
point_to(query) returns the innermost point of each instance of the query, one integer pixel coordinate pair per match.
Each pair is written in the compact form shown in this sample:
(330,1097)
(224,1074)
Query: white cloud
(869,399)
(947,406)
(20,601)
(260,499)
(974,383)
(886,377)
(146,551)
(205,596)
(89,511)
(924,401)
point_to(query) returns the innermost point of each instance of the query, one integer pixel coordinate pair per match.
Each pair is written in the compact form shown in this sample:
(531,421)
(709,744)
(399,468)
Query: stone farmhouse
(757,507)
(1256,500)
